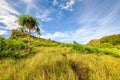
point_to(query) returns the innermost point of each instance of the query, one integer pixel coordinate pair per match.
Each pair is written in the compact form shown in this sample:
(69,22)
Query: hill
(51,60)
(111,39)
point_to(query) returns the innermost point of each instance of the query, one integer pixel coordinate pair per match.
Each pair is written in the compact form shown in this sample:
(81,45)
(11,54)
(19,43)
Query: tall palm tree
(29,23)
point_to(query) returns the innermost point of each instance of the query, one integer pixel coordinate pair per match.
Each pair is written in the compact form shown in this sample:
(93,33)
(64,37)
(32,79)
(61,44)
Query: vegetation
(113,39)
(29,23)
(83,49)
(50,60)
(10,48)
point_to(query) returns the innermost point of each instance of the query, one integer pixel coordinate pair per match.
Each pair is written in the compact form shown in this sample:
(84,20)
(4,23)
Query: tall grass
(50,64)
(97,67)
(84,49)
(55,61)
(43,66)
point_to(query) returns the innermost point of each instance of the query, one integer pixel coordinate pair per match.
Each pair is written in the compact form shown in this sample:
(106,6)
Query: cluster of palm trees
(30,24)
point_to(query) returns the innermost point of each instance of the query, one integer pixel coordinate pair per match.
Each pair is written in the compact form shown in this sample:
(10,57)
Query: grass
(45,65)
(97,67)
(52,60)
(85,49)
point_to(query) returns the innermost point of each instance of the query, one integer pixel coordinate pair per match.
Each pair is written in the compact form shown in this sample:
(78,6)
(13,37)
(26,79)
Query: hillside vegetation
(51,60)
(111,39)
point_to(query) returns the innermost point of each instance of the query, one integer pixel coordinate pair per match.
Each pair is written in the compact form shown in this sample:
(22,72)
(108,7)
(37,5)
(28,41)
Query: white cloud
(68,5)
(5,7)
(8,15)
(41,13)
(2,32)
(30,4)
(84,34)
(55,35)
(44,17)
(27,1)
(97,21)
(55,2)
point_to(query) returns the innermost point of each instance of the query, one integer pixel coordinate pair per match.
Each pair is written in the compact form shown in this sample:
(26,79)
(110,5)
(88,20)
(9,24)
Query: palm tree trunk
(29,42)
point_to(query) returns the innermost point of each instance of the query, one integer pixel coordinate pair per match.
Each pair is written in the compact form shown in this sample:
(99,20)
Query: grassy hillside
(50,60)
(111,39)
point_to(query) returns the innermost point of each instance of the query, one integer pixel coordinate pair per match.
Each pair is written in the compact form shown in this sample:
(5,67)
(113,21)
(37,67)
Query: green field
(50,60)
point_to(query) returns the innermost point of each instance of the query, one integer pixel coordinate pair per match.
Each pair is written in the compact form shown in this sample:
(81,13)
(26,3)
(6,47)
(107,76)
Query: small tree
(29,23)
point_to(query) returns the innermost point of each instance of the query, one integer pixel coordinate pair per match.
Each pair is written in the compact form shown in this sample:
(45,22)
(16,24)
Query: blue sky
(64,20)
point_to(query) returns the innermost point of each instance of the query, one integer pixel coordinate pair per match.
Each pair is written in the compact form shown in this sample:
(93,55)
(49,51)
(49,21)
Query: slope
(50,60)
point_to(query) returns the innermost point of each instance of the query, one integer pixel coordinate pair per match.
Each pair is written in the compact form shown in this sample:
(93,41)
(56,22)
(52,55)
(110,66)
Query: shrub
(112,39)
(10,47)
(2,43)
(106,45)
(90,49)
(85,49)
(108,52)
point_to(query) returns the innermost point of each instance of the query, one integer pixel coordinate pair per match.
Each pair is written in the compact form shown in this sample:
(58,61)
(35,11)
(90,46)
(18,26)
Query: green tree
(29,23)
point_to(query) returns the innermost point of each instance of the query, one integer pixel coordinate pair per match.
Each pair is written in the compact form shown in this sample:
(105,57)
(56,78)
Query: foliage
(2,43)
(43,42)
(49,64)
(31,24)
(75,42)
(16,33)
(58,61)
(10,48)
(94,42)
(28,22)
(83,49)
(105,45)
(113,39)
(96,67)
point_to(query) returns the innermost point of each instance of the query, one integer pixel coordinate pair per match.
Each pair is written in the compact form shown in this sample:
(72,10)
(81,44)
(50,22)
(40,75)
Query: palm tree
(29,23)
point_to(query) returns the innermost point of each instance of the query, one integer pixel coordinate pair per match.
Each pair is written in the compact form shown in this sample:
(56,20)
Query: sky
(64,20)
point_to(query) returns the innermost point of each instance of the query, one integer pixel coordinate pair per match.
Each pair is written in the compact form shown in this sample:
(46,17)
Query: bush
(10,48)
(2,43)
(90,49)
(112,39)
(85,49)
(108,52)
(106,45)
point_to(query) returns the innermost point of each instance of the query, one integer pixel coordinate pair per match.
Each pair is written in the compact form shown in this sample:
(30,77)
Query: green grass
(50,60)
(85,49)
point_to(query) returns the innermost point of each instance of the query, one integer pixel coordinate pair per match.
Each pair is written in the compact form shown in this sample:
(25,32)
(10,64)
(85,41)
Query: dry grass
(60,62)
(98,67)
